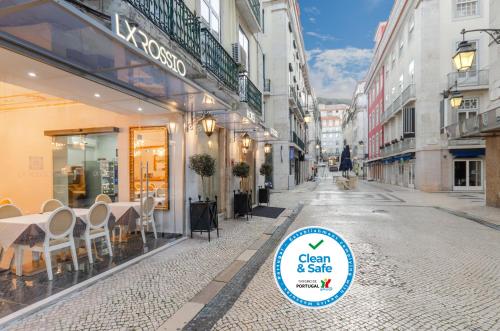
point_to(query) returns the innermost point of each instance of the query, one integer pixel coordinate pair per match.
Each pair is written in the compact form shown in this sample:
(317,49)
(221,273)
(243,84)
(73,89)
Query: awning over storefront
(245,122)
(58,35)
(467,153)
(399,158)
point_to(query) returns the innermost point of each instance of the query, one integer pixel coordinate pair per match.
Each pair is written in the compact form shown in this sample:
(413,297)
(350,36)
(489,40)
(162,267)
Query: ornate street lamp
(208,123)
(456,99)
(244,150)
(267,148)
(246,140)
(317,146)
(308,118)
(464,57)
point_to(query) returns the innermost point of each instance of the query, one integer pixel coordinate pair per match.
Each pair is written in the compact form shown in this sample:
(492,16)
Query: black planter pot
(203,216)
(264,195)
(242,204)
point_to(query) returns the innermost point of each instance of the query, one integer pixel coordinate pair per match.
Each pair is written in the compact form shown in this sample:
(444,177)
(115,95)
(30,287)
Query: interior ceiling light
(31,74)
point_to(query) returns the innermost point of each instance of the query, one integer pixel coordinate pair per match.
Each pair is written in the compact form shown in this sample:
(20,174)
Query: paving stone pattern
(145,295)
(418,268)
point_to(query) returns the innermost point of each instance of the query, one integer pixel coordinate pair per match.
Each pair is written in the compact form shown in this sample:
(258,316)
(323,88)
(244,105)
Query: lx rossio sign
(133,35)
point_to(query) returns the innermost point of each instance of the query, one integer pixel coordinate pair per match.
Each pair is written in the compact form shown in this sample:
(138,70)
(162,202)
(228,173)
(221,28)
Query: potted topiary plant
(204,166)
(203,214)
(241,169)
(265,170)
(242,200)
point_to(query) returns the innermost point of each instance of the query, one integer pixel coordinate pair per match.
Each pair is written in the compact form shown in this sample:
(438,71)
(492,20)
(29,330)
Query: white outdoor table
(120,208)
(11,228)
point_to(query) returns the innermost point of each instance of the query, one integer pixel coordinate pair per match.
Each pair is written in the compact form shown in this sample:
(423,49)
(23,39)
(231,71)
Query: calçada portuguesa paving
(418,267)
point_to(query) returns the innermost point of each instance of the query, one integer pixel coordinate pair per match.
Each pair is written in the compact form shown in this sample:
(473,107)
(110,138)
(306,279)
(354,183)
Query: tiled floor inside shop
(19,292)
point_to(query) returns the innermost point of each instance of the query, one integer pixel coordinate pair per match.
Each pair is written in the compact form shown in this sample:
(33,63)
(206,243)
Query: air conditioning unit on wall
(240,57)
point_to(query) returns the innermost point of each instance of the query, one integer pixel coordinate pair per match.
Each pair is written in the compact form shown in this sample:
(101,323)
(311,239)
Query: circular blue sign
(314,267)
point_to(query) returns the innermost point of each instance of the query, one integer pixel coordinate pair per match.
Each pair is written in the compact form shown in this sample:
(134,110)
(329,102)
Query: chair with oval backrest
(51,205)
(147,217)
(103,198)
(6,201)
(58,235)
(97,227)
(7,211)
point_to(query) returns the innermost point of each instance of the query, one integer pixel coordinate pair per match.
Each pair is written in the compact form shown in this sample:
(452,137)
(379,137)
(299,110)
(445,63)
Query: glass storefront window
(149,154)
(84,166)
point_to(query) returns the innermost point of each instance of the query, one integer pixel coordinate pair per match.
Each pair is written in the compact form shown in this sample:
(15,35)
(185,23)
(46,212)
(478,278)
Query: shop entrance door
(468,175)
(84,166)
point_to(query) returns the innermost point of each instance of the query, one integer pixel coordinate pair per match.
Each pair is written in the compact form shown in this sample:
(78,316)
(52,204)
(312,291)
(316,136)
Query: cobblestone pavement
(145,295)
(418,268)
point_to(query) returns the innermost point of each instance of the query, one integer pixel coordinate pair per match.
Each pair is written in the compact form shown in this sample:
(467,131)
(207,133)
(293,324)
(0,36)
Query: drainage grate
(380,211)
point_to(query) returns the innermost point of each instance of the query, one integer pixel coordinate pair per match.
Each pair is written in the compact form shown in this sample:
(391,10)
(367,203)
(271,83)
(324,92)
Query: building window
(468,109)
(210,15)
(411,71)
(244,45)
(470,104)
(411,26)
(401,46)
(465,8)
(408,122)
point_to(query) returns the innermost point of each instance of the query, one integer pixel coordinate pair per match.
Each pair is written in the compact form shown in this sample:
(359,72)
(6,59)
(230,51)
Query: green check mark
(317,245)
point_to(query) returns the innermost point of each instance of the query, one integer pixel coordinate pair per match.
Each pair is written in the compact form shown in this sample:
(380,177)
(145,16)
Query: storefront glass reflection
(84,167)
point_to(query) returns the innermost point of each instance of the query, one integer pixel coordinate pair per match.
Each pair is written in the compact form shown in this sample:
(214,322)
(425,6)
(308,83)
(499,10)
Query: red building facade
(375,128)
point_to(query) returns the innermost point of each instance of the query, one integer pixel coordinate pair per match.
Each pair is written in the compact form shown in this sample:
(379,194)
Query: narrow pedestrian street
(417,268)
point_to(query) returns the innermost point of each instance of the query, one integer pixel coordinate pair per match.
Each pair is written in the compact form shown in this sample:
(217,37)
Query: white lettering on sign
(251,116)
(149,46)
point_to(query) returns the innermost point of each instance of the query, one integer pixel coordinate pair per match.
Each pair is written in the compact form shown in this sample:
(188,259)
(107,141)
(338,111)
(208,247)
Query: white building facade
(413,61)
(332,136)
(354,126)
(288,94)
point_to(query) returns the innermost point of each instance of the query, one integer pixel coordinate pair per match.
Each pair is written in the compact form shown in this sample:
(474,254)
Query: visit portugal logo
(314,267)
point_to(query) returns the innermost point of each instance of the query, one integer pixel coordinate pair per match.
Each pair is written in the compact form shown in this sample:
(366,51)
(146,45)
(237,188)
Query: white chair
(103,198)
(58,235)
(51,205)
(161,193)
(97,227)
(7,211)
(147,217)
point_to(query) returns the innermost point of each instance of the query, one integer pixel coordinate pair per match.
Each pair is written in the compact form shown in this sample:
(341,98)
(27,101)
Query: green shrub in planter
(266,169)
(204,166)
(242,170)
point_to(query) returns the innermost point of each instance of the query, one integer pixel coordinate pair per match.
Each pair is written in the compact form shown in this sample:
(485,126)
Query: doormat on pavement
(269,212)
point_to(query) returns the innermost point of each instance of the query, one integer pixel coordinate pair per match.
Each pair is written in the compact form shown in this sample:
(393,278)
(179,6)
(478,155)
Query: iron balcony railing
(401,101)
(400,147)
(408,95)
(255,5)
(298,141)
(468,79)
(296,101)
(216,60)
(476,126)
(293,95)
(250,94)
(175,19)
